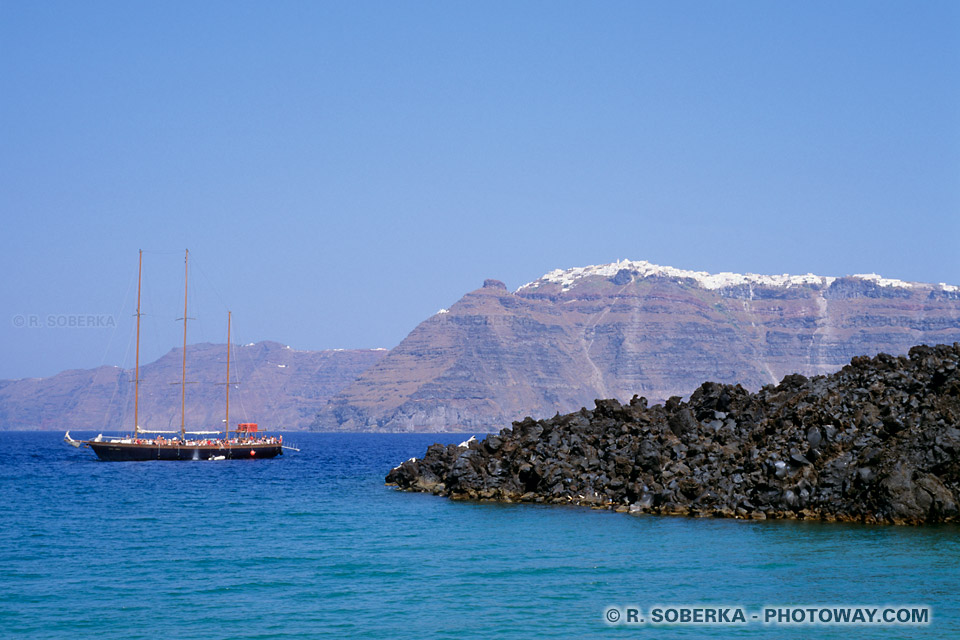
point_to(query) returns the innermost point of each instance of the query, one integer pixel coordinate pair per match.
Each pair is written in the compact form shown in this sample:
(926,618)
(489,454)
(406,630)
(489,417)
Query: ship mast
(136,367)
(183,372)
(226,423)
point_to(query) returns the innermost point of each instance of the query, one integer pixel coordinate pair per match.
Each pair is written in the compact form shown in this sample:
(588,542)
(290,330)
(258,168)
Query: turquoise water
(312,545)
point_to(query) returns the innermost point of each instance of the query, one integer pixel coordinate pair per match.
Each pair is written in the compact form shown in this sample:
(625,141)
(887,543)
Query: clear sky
(341,170)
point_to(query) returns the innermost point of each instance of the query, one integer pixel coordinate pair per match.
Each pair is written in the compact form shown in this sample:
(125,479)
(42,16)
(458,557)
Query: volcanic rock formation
(878,441)
(612,331)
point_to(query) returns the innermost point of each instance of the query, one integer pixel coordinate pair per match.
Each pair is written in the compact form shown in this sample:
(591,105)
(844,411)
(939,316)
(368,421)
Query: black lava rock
(876,442)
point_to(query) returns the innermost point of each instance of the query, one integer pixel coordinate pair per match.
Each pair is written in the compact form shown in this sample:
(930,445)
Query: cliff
(278,386)
(611,331)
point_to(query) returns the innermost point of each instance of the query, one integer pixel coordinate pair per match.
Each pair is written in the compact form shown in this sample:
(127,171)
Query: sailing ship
(246,441)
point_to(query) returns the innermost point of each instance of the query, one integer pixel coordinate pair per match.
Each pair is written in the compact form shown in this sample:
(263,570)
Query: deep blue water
(312,545)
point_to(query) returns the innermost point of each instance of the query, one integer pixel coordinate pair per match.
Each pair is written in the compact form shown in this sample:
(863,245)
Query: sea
(313,545)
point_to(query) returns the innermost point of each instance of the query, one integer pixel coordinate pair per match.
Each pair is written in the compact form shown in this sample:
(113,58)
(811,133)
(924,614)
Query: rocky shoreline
(876,442)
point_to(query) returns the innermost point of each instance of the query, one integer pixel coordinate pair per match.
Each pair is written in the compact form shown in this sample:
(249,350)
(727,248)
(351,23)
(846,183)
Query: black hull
(124,452)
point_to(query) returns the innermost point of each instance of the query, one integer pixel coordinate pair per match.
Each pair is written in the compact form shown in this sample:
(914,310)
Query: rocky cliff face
(614,330)
(279,387)
(876,442)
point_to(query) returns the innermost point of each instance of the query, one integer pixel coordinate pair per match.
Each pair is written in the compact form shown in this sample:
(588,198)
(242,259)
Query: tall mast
(183,373)
(136,367)
(226,423)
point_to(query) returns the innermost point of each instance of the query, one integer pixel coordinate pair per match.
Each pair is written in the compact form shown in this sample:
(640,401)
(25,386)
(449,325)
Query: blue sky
(340,171)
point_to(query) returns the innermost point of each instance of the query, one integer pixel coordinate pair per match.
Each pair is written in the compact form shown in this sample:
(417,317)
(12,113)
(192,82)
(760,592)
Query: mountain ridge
(551,346)
(720,280)
(627,327)
(279,387)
